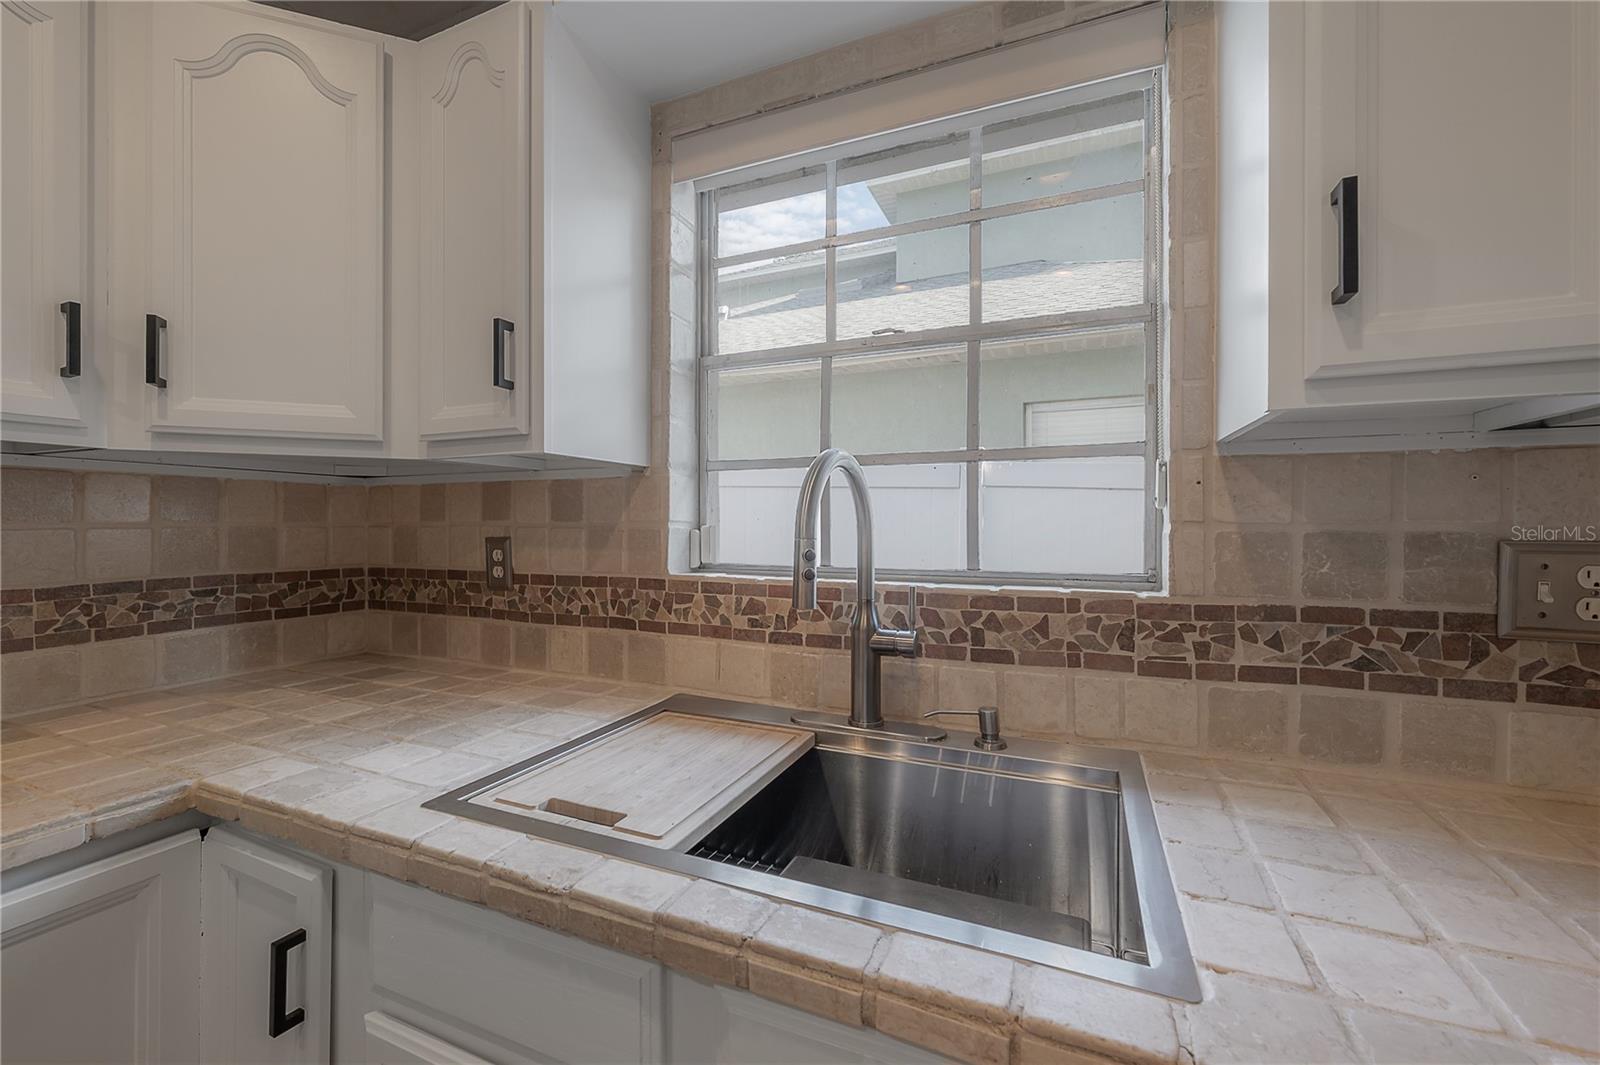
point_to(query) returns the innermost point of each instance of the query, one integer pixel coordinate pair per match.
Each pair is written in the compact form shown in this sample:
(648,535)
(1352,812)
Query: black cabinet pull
(74,312)
(502,329)
(1347,217)
(154,327)
(278,1021)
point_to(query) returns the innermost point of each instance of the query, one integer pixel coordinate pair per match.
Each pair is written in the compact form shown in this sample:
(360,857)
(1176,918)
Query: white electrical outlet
(1589,577)
(1589,608)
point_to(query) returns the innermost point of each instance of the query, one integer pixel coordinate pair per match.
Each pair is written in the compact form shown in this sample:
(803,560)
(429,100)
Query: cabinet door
(475,235)
(101,963)
(252,899)
(1471,128)
(44,230)
(708,1024)
(266,210)
(394,1042)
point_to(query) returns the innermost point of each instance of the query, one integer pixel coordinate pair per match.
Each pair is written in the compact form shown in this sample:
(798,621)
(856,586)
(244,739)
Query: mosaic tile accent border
(39,618)
(1412,652)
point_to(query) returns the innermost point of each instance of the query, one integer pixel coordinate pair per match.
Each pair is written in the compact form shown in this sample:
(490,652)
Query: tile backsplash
(1321,609)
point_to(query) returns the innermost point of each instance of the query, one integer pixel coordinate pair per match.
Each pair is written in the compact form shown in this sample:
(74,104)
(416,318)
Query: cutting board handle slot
(597,815)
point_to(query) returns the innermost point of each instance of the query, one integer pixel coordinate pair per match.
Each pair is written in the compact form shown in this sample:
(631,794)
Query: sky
(796,219)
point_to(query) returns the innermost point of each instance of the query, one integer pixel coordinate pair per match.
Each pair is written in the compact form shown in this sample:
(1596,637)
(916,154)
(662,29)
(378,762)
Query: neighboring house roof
(879,302)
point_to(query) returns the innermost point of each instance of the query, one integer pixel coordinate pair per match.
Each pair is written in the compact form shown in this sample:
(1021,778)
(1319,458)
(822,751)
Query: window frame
(1151,314)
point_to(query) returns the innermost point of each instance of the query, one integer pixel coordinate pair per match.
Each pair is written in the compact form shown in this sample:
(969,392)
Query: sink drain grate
(703,851)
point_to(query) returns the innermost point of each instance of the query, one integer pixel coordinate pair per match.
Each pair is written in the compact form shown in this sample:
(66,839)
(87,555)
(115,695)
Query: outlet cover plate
(497,563)
(1524,566)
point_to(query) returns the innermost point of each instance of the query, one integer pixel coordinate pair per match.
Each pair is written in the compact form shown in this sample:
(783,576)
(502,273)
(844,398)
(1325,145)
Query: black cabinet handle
(74,312)
(278,1021)
(1347,217)
(502,330)
(154,327)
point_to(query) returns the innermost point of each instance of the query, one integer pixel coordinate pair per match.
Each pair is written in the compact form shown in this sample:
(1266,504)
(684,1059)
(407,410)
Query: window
(972,307)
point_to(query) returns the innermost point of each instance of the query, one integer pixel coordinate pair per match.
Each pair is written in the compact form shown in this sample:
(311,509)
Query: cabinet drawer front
(551,996)
(266,212)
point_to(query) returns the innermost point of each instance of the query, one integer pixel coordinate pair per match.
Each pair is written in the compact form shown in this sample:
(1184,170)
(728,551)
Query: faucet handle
(911,607)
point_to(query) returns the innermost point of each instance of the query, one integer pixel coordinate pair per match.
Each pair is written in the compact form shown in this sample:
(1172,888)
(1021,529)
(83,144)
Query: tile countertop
(1336,917)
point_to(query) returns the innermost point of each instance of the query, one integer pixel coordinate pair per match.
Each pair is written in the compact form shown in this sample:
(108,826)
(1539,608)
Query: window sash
(973,334)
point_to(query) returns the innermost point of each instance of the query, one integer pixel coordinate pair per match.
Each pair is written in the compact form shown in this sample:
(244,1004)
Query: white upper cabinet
(1407,223)
(48,374)
(266,211)
(1471,130)
(475,240)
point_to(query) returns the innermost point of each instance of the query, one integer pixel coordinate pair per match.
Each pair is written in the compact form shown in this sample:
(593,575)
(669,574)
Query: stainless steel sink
(1046,852)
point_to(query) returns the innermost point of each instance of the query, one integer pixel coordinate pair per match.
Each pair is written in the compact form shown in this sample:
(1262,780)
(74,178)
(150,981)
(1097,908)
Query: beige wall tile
(495,649)
(691,662)
(1447,737)
(1557,486)
(1452,485)
(1341,488)
(1251,720)
(496,501)
(463,641)
(347,546)
(433,507)
(464,503)
(1456,568)
(118,666)
(647,658)
(250,548)
(185,657)
(1251,488)
(569,651)
(184,550)
(742,669)
(252,646)
(608,653)
(1035,700)
(433,546)
(405,504)
(1554,750)
(189,499)
(347,631)
(1160,711)
(38,558)
(1250,563)
(566,501)
(405,634)
(529,647)
(967,688)
(1345,565)
(40,679)
(304,503)
(1341,728)
(303,547)
(37,497)
(348,504)
(250,502)
(793,676)
(304,639)
(566,550)
(530,502)
(116,554)
(116,497)
(1097,705)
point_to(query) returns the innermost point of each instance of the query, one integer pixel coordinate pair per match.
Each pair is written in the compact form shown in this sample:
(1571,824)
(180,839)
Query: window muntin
(978,322)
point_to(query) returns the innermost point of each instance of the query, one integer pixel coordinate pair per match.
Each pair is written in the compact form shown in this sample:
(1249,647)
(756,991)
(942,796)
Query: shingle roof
(879,302)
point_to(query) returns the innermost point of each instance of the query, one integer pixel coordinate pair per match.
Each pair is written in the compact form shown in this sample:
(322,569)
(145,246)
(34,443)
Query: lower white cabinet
(267,921)
(102,963)
(183,950)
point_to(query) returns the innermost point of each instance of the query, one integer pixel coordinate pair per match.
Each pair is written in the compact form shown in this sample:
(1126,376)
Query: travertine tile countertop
(1336,918)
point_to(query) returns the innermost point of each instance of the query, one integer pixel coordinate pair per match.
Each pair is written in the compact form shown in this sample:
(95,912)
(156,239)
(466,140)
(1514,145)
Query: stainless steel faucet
(869,638)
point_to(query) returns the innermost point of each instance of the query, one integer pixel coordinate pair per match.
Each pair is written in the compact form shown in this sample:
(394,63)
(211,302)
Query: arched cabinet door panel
(478,333)
(48,375)
(265,269)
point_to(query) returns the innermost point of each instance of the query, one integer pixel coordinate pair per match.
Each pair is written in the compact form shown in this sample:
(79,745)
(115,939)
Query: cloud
(794,220)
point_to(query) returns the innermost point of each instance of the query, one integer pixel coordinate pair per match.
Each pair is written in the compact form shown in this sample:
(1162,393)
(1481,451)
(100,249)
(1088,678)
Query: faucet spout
(869,639)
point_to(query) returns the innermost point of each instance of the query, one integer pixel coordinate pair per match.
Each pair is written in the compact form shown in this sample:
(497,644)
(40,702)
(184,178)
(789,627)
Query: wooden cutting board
(664,781)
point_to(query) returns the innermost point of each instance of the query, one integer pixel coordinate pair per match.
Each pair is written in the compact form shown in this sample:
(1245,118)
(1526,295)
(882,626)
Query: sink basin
(1045,851)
